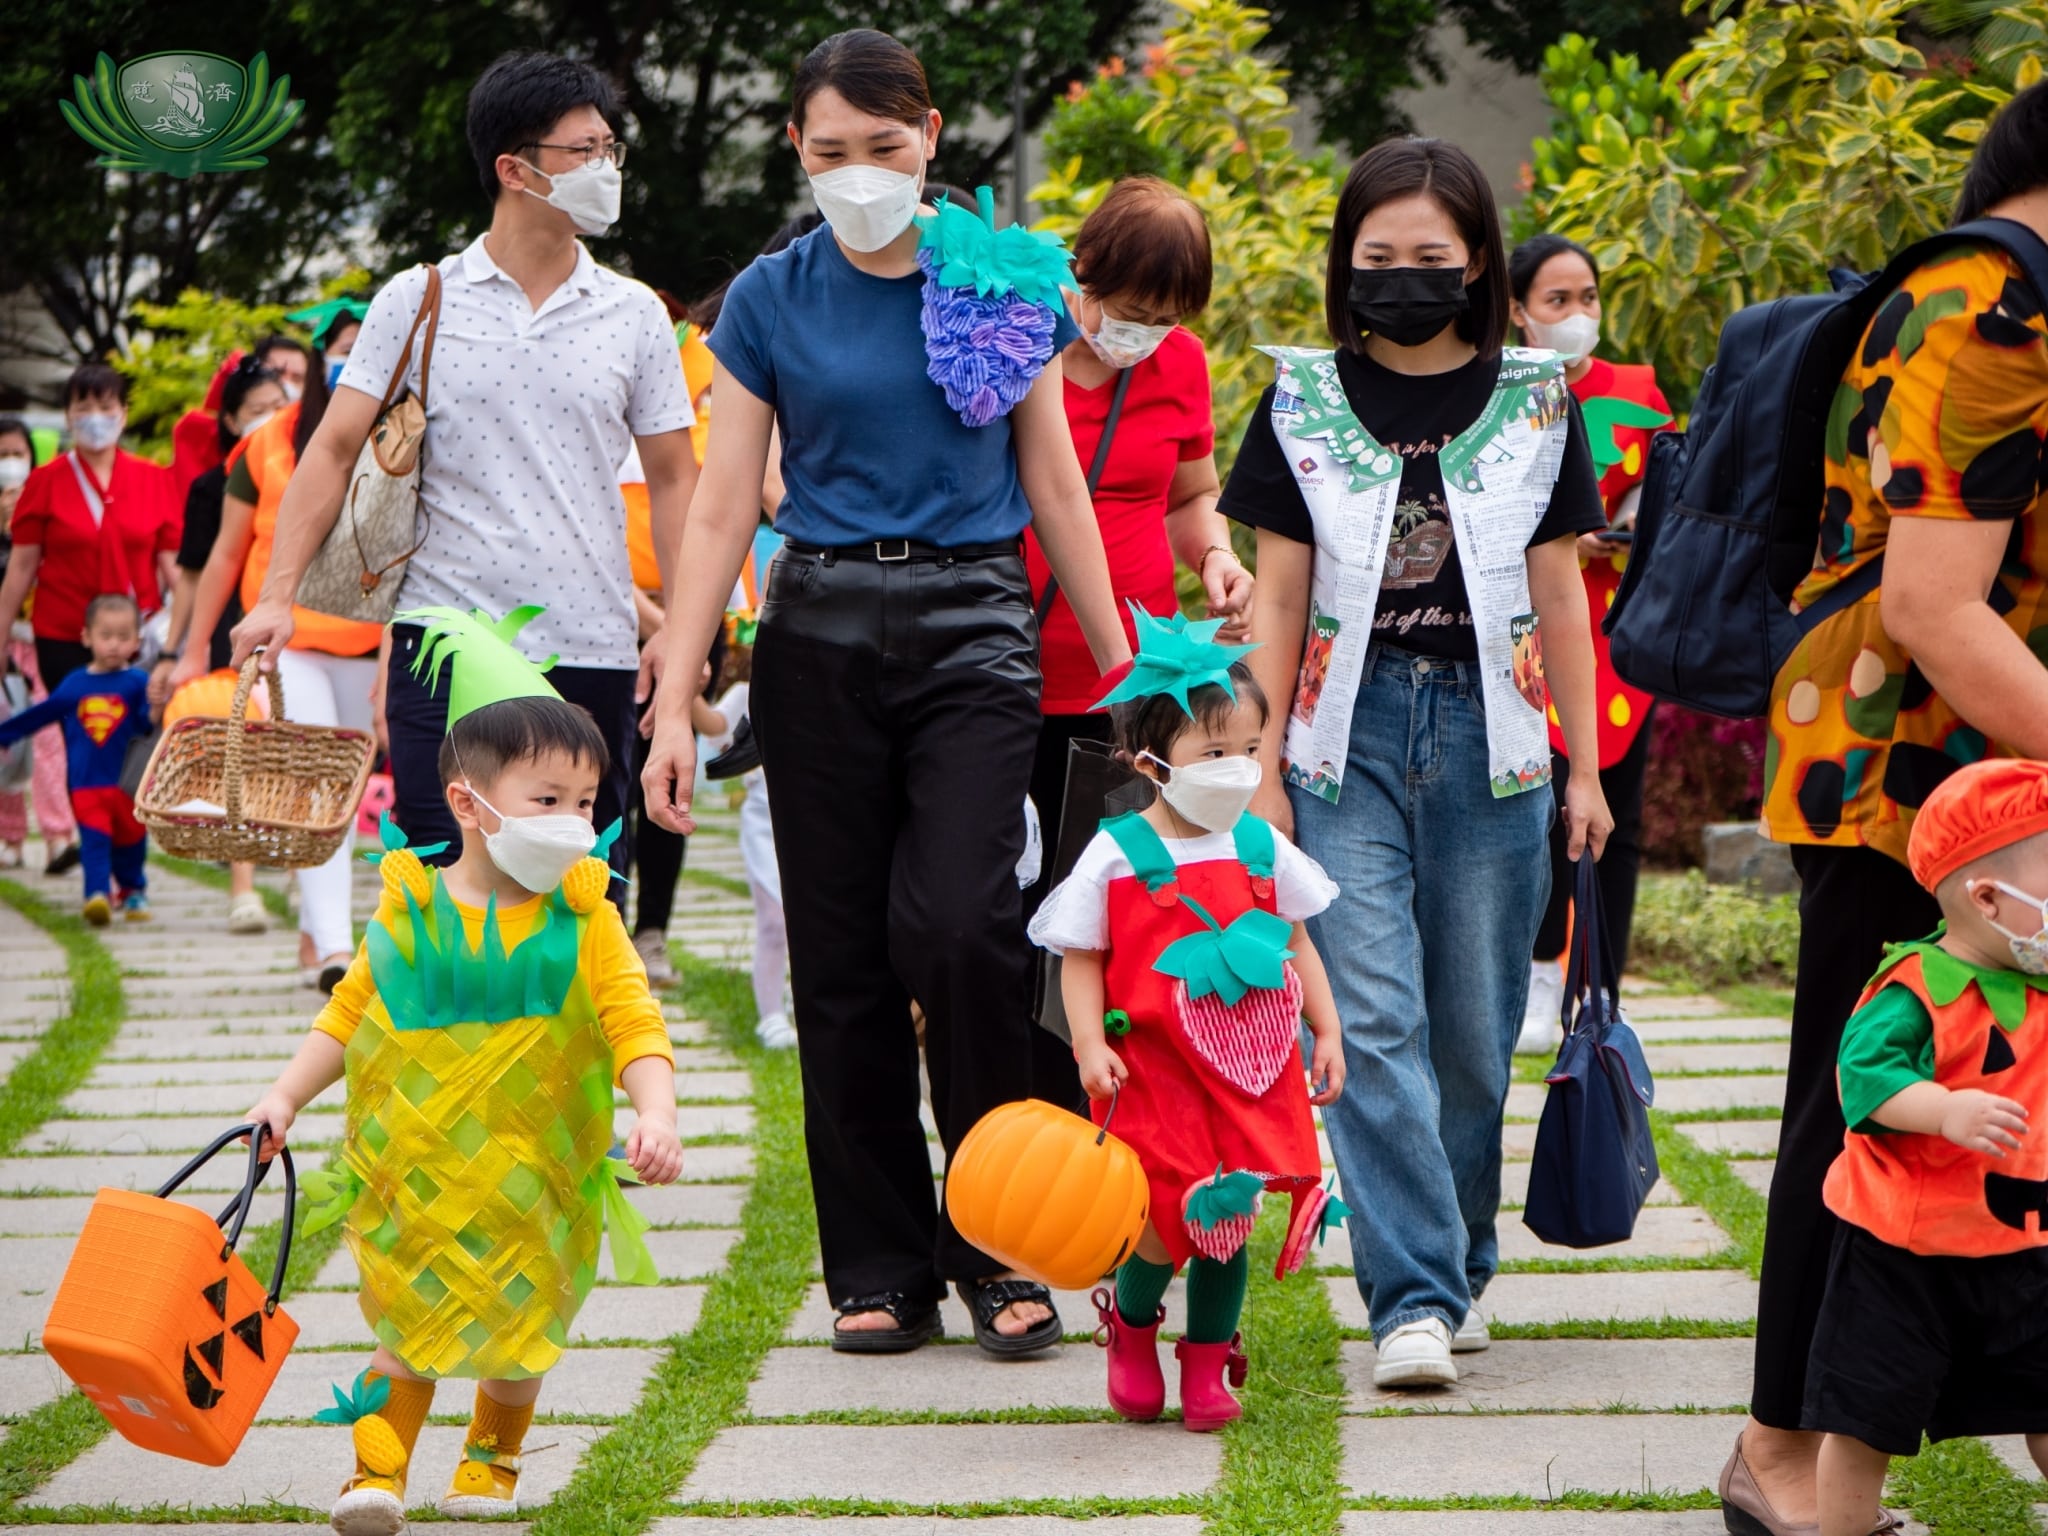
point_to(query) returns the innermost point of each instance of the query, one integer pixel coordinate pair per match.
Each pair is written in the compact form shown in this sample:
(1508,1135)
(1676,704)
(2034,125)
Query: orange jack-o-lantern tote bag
(161,1324)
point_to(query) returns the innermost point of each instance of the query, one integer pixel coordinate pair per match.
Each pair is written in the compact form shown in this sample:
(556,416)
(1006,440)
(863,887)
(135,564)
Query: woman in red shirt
(1142,265)
(1556,305)
(92,521)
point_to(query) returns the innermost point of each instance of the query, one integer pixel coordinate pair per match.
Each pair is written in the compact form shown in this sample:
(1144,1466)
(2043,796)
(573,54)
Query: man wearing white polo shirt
(547,368)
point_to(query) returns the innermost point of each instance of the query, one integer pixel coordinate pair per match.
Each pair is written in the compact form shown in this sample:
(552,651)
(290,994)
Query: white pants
(771,938)
(320,689)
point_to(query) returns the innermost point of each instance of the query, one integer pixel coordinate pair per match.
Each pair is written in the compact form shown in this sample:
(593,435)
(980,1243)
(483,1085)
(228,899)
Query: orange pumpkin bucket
(1043,1192)
(160,1323)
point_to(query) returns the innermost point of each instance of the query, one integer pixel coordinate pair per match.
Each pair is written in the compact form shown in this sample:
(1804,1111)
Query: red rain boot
(1137,1387)
(1205,1403)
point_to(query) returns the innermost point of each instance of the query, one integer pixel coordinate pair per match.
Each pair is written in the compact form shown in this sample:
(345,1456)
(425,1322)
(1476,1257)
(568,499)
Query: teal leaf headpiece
(477,652)
(323,318)
(1173,657)
(968,251)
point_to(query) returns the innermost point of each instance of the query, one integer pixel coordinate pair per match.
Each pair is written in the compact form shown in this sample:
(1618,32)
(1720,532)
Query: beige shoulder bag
(361,564)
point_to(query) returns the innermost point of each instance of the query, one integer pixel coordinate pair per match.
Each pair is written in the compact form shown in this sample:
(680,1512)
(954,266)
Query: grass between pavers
(1959,1488)
(71,1043)
(627,1477)
(215,876)
(1705,1181)
(712,880)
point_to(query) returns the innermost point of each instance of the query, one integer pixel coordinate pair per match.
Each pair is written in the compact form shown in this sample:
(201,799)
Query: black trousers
(657,852)
(1618,866)
(1054,1077)
(418,723)
(897,708)
(1852,903)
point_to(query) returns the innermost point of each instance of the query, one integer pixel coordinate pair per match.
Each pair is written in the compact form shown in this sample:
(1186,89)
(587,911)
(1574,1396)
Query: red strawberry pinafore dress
(1209,1084)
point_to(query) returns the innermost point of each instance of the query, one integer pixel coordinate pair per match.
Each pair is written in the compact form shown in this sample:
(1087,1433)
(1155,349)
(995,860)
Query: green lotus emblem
(181,112)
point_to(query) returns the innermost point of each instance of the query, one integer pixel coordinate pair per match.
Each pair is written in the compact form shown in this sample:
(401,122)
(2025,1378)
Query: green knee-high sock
(1140,1286)
(1216,1297)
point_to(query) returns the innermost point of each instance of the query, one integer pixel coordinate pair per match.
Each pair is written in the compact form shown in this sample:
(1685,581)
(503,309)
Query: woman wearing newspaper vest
(1417,494)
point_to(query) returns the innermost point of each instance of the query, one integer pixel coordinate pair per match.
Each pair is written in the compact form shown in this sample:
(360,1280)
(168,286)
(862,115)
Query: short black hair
(487,741)
(521,96)
(14,426)
(2012,157)
(1442,172)
(1529,257)
(277,341)
(1153,725)
(109,600)
(90,380)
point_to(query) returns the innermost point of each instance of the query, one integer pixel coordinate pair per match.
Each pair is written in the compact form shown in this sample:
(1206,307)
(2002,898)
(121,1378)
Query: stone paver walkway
(1618,1376)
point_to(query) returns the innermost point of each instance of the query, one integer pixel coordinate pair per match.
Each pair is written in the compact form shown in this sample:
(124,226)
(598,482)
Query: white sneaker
(1472,1335)
(1416,1354)
(776,1032)
(1539,1016)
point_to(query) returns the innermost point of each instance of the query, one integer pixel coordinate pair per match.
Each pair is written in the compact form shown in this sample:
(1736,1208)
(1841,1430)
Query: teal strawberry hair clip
(1174,656)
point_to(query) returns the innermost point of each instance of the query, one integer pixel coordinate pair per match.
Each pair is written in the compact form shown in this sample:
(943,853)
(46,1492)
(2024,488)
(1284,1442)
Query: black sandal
(985,1298)
(916,1323)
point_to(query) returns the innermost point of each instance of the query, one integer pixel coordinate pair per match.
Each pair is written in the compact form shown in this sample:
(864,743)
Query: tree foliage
(380,152)
(1269,207)
(1789,140)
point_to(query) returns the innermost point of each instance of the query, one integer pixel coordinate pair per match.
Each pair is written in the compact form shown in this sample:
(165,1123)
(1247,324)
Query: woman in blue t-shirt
(895,688)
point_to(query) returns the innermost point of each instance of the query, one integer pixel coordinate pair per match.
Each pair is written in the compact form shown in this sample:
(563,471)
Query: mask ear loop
(2040,908)
(468,785)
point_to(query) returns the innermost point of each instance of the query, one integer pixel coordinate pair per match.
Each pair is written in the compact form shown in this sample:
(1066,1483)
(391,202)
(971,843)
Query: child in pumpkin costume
(1177,925)
(1936,1312)
(481,1028)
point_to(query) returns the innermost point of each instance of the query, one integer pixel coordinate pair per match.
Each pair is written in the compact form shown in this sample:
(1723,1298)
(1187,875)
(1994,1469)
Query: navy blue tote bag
(1595,1159)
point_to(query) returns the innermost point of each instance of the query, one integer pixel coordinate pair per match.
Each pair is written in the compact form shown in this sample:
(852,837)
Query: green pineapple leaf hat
(1173,657)
(477,654)
(322,319)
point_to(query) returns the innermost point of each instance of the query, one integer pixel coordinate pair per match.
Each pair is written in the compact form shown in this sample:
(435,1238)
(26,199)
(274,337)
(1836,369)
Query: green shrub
(1712,935)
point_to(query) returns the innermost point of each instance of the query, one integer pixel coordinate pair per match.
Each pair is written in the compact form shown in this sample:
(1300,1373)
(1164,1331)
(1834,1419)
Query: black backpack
(1730,515)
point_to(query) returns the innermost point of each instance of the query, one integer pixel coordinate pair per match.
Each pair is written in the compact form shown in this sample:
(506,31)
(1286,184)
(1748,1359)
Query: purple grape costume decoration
(991,303)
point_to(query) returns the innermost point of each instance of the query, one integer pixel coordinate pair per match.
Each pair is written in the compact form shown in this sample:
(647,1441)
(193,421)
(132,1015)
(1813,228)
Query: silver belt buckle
(902,550)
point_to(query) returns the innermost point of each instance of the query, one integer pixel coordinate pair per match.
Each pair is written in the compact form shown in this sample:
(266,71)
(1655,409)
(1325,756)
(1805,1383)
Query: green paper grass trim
(428,977)
(968,251)
(478,653)
(331,1193)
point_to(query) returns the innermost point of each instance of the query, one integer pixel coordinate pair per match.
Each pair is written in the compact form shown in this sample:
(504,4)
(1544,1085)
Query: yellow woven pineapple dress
(481,1048)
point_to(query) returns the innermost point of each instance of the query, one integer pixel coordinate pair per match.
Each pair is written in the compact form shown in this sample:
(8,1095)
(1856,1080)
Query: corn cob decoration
(378,1447)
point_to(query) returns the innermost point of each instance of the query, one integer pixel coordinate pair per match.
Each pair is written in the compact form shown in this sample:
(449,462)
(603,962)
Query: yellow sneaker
(98,911)
(370,1506)
(485,1485)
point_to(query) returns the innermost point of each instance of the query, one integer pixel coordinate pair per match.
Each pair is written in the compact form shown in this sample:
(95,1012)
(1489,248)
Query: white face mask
(96,430)
(867,205)
(1212,793)
(537,851)
(1573,338)
(1125,343)
(253,423)
(291,392)
(12,473)
(2029,954)
(589,194)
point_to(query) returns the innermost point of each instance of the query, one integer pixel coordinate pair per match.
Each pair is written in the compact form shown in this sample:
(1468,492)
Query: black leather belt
(895,551)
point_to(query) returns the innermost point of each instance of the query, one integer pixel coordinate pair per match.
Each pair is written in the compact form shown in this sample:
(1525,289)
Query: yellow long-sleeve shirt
(626,1008)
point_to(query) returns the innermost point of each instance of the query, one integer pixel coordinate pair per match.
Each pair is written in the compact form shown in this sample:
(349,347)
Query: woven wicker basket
(269,791)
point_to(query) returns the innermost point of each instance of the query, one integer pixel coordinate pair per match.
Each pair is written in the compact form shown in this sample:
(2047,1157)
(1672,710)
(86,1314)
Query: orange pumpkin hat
(1977,811)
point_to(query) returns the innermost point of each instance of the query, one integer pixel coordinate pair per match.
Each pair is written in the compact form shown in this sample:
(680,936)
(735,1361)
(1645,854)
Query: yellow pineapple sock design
(490,1451)
(384,1416)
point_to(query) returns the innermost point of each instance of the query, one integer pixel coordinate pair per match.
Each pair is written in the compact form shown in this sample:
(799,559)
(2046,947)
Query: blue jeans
(1428,953)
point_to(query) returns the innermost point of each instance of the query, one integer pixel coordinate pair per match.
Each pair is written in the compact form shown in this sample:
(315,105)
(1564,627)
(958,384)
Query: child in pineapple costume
(1935,1317)
(1178,925)
(487,1015)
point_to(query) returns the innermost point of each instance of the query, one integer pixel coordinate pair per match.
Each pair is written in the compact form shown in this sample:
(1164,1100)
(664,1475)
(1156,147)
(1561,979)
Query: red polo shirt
(1165,423)
(85,558)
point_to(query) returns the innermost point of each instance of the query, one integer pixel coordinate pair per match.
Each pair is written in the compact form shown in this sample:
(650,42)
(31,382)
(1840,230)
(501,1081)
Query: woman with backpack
(1556,306)
(1934,467)
(1418,495)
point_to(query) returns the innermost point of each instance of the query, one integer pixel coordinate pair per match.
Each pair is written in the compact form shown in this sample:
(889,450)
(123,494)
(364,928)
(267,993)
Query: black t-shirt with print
(1422,604)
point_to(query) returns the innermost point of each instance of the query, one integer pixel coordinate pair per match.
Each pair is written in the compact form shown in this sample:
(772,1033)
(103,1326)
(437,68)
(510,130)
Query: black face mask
(1407,305)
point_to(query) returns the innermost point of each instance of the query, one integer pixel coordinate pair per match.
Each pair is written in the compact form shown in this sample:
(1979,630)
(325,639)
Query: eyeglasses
(591,153)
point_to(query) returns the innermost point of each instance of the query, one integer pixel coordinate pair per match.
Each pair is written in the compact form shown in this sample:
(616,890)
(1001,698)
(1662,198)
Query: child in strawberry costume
(490,1011)
(1933,1319)
(1187,973)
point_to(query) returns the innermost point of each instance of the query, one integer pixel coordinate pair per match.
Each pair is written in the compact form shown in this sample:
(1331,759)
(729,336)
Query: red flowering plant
(1702,770)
